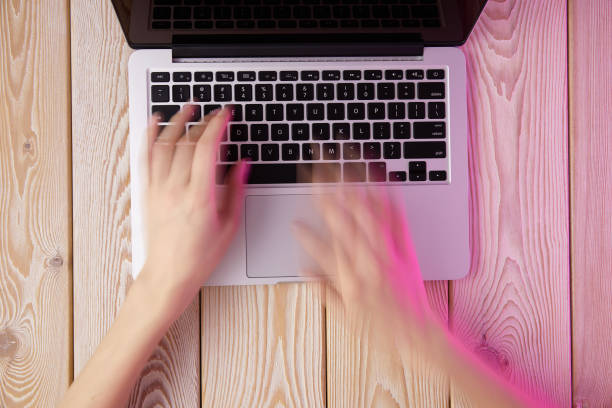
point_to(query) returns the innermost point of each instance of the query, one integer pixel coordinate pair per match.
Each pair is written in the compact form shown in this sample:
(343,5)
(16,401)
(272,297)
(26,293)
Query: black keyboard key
(284,92)
(346,91)
(263,92)
(202,13)
(401,130)
(223,93)
(361,130)
(249,152)
(165,111)
(365,91)
(269,152)
(396,110)
(392,150)
(160,25)
(429,130)
(304,92)
(295,111)
(160,93)
(203,24)
(300,131)
(325,92)
(417,171)
(181,76)
(431,90)
(415,74)
(335,111)
(243,92)
(371,150)
(437,175)
(435,74)
(182,13)
(203,76)
(228,153)
(377,171)
(424,150)
(259,132)
(311,151)
(436,110)
(288,173)
(160,76)
(288,75)
(315,111)
(236,113)
(356,111)
(416,110)
(341,12)
(246,75)
(267,76)
(376,110)
(280,132)
(397,176)
(331,151)
(309,75)
(351,151)
(321,12)
(373,75)
(320,131)
(222,12)
(291,151)
(386,90)
(331,75)
(201,93)
(394,74)
(211,108)
(253,112)
(341,131)
(405,90)
(281,12)
(274,112)
(238,133)
(381,130)
(161,13)
(287,24)
(225,76)
(354,172)
(361,12)
(351,75)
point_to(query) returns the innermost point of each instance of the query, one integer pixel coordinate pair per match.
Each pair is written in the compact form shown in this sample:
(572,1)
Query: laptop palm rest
(271,249)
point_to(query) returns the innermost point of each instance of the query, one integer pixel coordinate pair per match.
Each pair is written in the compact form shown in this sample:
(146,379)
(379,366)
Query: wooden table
(536,304)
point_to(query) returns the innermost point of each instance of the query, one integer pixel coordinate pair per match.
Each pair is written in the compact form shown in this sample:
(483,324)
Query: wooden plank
(101,195)
(263,346)
(590,51)
(35,208)
(513,308)
(361,374)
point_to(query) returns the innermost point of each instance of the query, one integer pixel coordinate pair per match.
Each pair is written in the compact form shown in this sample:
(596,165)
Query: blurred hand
(368,261)
(189,227)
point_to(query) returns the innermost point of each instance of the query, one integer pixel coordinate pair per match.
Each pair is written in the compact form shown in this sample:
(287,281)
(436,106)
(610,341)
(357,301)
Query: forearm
(109,376)
(469,374)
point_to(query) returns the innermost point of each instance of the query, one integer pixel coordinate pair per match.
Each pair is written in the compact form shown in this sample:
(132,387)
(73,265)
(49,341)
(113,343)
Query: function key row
(342,91)
(291,173)
(328,75)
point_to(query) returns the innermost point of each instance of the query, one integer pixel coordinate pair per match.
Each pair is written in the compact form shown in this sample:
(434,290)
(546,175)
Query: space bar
(286,173)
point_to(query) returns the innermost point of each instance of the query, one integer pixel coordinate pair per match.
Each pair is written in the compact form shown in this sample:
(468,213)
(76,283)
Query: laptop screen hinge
(189,48)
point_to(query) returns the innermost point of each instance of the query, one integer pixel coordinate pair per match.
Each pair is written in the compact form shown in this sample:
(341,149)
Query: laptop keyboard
(356,125)
(288,14)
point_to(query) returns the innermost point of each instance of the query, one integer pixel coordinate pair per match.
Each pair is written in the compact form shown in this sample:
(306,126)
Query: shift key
(429,130)
(424,150)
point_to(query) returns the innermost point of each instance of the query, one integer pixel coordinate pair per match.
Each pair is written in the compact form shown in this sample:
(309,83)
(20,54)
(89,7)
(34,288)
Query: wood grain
(102,239)
(513,308)
(362,373)
(263,346)
(35,212)
(590,51)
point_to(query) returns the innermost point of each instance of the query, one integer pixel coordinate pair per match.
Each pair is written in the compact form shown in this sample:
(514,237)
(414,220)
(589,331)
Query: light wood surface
(279,346)
(263,346)
(590,49)
(513,308)
(101,194)
(35,212)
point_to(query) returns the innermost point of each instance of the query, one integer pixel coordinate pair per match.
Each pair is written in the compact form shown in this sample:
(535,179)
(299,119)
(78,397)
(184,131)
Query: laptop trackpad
(271,249)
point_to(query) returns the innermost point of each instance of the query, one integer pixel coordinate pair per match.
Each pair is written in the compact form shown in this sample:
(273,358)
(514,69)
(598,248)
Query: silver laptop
(373,90)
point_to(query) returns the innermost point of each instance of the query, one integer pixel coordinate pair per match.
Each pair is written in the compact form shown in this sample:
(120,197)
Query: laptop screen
(162,23)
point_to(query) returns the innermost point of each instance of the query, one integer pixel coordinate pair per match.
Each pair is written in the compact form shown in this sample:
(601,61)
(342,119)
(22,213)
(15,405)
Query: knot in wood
(56,261)
(9,343)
